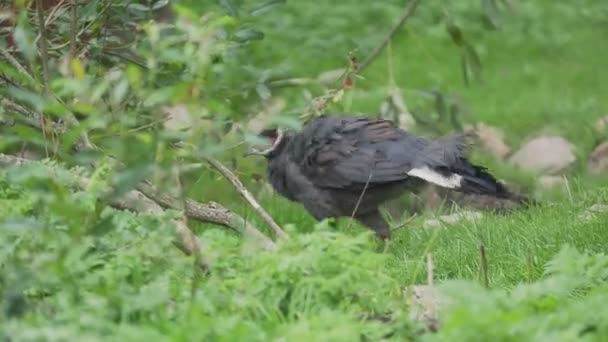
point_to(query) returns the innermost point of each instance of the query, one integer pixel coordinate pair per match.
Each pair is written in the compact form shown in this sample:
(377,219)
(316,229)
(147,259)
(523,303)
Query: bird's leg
(375,221)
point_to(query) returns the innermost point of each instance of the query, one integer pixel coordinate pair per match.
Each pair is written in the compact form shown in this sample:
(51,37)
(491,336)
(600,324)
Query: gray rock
(598,161)
(593,211)
(545,154)
(601,125)
(425,303)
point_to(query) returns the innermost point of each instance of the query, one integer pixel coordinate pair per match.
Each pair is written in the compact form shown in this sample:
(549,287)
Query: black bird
(343,166)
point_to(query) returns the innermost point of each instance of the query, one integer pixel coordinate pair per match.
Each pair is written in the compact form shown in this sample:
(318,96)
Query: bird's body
(349,166)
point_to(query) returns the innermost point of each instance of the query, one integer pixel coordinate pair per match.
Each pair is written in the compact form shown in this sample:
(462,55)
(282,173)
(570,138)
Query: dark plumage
(348,166)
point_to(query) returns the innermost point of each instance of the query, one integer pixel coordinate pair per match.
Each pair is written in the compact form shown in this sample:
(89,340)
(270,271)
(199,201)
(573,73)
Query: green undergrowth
(74,268)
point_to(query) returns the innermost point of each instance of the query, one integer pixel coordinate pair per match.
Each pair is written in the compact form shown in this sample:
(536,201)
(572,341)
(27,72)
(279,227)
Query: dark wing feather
(348,153)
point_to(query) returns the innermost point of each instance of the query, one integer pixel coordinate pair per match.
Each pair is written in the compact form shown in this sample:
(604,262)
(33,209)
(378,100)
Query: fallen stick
(209,212)
(248,197)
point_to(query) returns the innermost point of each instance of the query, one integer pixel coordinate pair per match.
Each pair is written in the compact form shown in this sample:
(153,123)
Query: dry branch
(248,197)
(136,201)
(209,212)
(44,49)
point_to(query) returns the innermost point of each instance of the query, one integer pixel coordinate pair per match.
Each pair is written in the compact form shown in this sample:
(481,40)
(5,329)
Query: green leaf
(160,96)
(471,64)
(265,7)
(229,7)
(134,75)
(286,121)
(455,33)
(24,38)
(120,91)
(29,97)
(248,34)
(491,13)
(440,105)
(126,180)
(138,7)
(160,4)
(263,91)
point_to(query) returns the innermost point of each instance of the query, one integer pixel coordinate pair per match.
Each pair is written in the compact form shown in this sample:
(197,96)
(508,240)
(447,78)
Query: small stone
(601,125)
(593,211)
(545,154)
(598,161)
(425,304)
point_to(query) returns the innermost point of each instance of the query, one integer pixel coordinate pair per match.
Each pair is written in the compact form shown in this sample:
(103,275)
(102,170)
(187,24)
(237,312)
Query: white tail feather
(453,181)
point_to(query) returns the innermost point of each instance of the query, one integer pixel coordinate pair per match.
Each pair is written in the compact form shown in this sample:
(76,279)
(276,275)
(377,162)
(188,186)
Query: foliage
(157,90)
(120,270)
(567,305)
(119,277)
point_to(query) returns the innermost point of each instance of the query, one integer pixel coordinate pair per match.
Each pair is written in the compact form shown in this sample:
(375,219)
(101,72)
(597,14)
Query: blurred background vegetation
(125,91)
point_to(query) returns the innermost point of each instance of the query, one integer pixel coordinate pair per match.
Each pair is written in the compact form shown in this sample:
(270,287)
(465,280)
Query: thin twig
(44,54)
(361,195)
(73,28)
(323,100)
(360,199)
(483,267)
(430,270)
(15,63)
(44,49)
(407,13)
(292,82)
(405,223)
(248,197)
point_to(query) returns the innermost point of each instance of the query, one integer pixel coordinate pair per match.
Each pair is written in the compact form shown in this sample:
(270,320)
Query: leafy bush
(566,305)
(86,273)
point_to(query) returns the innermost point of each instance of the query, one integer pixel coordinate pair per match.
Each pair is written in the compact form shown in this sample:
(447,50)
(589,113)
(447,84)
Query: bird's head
(275,138)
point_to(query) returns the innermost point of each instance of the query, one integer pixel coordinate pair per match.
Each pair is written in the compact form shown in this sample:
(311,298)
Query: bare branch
(44,49)
(248,197)
(15,63)
(187,241)
(210,213)
(73,29)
